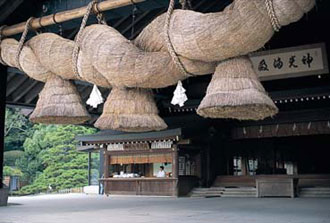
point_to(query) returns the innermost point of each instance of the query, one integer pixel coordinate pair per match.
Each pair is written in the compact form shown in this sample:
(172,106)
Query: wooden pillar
(101,164)
(208,166)
(3,86)
(89,168)
(244,165)
(175,162)
(175,169)
(106,164)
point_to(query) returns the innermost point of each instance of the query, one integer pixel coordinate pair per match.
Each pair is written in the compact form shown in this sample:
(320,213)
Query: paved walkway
(120,209)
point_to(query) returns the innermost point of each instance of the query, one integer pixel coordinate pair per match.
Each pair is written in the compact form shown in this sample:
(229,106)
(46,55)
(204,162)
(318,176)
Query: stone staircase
(317,192)
(240,192)
(224,192)
(207,192)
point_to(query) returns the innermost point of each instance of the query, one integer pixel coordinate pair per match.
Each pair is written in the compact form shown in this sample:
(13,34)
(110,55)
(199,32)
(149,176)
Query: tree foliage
(51,158)
(10,157)
(10,171)
(17,128)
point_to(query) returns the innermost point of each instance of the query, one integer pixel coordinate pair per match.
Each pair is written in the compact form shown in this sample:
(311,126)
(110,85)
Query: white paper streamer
(95,98)
(179,95)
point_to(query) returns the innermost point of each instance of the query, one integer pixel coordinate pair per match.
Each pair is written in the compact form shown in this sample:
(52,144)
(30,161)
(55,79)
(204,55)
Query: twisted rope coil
(1,60)
(21,42)
(169,44)
(78,39)
(145,64)
(273,18)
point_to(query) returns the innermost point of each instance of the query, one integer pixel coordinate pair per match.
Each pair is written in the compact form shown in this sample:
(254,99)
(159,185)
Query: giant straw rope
(174,46)
(200,40)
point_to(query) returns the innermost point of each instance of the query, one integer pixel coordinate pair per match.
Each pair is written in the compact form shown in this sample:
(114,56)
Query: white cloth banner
(179,95)
(95,98)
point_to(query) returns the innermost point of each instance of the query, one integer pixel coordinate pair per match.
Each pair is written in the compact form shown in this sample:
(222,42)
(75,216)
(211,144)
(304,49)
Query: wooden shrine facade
(131,162)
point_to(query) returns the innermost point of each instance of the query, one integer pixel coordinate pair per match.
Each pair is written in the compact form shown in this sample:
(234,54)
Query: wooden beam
(2,2)
(15,83)
(33,93)
(24,89)
(9,9)
(66,16)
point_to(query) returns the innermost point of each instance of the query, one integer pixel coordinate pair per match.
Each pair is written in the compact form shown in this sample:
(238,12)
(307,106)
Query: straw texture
(235,92)
(54,52)
(200,40)
(59,103)
(243,27)
(108,59)
(28,60)
(123,64)
(130,110)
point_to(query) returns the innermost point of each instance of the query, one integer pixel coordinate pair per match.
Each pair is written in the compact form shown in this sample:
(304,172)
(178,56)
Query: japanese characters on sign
(161,145)
(128,147)
(291,62)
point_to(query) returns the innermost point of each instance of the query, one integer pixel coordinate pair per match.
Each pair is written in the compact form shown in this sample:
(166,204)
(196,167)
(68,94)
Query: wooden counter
(141,186)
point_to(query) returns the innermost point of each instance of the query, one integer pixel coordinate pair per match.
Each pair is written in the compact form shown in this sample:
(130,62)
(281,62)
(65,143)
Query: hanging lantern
(59,103)
(130,110)
(235,92)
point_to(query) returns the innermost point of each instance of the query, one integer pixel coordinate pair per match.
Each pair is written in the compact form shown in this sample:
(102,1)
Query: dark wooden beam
(24,89)
(14,84)
(129,27)
(2,2)
(33,93)
(119,22)
(291,117)
(3,82)
(9,8)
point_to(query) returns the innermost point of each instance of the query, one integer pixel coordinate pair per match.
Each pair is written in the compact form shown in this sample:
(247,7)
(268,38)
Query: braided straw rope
(168,42)
(273,18)
(21,42)
(78,39)
(1,60)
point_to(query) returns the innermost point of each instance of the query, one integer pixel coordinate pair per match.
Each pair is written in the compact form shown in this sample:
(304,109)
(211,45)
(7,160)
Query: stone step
(224,192)
(315,189)
(200,192)
(238,196)
(239,192)
(315,193)
(314,196)
(211,188)
(203,192)
(241,189)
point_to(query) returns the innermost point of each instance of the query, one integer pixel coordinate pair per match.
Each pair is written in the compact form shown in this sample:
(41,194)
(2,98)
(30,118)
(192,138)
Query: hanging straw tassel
(235,92)
(130,110)
(59,103)
(95,98)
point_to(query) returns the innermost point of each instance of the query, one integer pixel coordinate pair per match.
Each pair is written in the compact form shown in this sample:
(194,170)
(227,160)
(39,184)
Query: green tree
(17,128)
(55,161)
(10,171)
(30,163)
(10,157)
